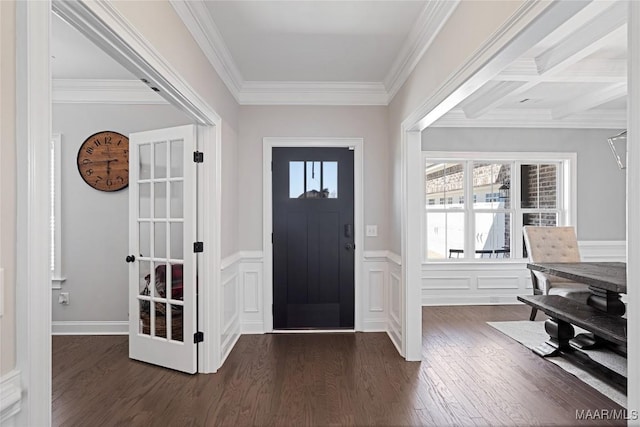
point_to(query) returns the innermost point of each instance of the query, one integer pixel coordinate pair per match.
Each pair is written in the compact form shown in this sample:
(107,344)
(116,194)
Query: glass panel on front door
(313,180)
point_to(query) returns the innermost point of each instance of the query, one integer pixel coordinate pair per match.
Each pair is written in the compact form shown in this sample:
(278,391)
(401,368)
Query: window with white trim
(508,190)
(55,219)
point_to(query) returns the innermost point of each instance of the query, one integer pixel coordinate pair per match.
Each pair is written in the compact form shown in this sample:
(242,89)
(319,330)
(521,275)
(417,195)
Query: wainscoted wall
(394,298)
(230,295)
(378,293)
(496,283)
(10,397)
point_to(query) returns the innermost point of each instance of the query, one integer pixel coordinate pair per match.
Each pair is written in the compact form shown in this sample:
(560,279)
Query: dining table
(606,281)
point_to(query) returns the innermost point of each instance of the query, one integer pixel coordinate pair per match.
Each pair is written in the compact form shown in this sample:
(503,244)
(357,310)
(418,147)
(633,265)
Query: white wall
(95,227)
(369,123)
(601,184)
(469,26)
(7,186)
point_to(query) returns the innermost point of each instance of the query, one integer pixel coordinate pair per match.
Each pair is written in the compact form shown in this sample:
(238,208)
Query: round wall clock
(103,161)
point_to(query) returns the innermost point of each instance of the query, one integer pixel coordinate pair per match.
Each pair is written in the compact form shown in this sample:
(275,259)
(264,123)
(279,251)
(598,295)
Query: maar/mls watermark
(606,414)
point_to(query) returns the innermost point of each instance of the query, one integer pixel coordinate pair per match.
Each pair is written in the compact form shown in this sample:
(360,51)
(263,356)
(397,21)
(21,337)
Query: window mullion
(469,248)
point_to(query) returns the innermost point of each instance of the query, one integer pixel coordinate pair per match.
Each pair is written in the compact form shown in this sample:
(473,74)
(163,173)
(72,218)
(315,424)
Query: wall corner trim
(10,396)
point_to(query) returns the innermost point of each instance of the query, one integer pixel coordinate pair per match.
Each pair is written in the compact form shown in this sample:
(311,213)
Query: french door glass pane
(144,277)
(145,239)
(176,240)
(144,158)
(492,235)
(177,329)
(444,185)
(445,235)
(491,185)
(177,196)
(160,157)
(160,200)
(144,195)
(177,159)
(160,240)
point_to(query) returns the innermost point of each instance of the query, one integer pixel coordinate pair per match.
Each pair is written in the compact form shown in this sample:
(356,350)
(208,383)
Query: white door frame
(527,26)
(268,144)
(105,26)
(633,206)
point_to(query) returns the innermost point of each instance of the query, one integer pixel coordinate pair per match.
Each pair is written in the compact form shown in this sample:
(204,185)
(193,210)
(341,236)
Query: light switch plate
(372,231)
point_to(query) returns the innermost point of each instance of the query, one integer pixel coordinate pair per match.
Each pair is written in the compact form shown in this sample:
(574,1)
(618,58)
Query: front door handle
(130,258)
(349,246)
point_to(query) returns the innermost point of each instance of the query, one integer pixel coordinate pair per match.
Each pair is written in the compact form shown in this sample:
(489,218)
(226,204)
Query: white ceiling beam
(561,61)
(490,95)
(590,100)
(588,70)
(585,40)
(535,118)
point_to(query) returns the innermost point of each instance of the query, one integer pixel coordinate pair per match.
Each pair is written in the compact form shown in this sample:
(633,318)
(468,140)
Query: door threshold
(311,331)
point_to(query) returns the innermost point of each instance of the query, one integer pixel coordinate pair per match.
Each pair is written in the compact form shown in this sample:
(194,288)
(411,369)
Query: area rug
(532,334)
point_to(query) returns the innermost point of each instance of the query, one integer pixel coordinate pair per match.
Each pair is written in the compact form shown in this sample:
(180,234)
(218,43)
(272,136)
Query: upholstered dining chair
(553,244)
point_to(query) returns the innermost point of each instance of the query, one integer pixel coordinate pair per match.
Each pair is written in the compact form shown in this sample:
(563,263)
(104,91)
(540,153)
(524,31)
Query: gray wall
(95,224)
(256,123)
(601,184)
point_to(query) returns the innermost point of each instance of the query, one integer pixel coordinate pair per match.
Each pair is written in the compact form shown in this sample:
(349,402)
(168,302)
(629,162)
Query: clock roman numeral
(89,150)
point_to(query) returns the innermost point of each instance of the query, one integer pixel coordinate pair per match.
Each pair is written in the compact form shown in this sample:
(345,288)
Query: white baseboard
(90,328)
(374,326)
(10,397)
(252,328)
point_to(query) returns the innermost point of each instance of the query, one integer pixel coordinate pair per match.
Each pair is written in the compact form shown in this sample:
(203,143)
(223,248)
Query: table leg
(603,300)
(559,335)
(606,301)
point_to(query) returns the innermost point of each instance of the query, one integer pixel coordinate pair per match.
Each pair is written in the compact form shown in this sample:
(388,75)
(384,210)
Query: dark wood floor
(471,374)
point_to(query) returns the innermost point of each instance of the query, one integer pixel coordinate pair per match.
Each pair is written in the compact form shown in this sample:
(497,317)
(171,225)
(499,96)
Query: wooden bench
(611,328)
(608,330)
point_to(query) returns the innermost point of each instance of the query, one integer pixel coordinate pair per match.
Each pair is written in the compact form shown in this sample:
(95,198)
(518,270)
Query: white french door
(162,232)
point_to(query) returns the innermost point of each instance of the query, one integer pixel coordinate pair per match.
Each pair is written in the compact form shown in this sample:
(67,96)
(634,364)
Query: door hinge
(272,312)
(272,238)
(198,247)
(198,337)
(271,166)
(198,157)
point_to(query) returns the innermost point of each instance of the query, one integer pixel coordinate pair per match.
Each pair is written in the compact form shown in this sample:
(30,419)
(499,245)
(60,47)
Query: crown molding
(313,93)
(200,24)
(198,21)
(536,118)
(426,28)
(83,91)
